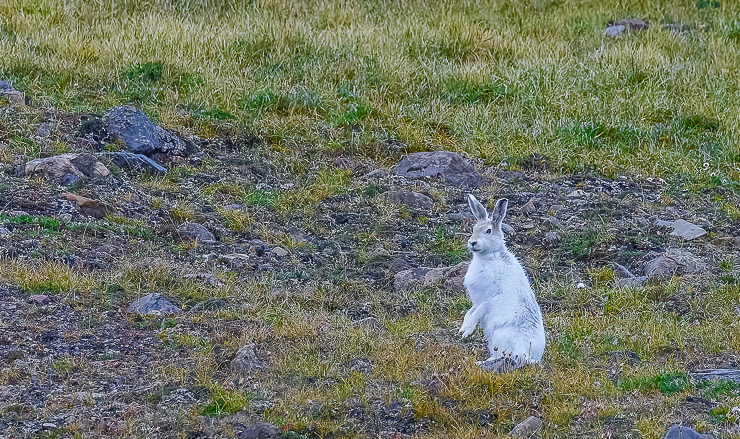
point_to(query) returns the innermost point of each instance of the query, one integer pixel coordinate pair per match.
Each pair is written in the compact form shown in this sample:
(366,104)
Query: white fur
(503,301)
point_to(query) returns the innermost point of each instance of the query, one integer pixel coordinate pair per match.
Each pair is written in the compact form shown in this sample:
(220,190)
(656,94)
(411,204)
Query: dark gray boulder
(170,143)
(448,166)
(195,231)
(412,200)
(130,126)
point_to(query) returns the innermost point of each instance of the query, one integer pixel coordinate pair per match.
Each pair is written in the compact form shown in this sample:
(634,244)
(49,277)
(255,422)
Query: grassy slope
(499,81)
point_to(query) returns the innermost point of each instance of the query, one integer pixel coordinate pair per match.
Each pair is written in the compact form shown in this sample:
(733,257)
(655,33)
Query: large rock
(681,432)
(445,165)
(416,278)
(153,304)
(67,168)
(130,126)
(412,200)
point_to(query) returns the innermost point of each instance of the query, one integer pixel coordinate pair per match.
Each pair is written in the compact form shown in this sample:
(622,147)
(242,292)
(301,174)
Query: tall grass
(497,79)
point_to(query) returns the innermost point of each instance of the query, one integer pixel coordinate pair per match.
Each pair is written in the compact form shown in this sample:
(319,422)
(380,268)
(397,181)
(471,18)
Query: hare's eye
(488,231)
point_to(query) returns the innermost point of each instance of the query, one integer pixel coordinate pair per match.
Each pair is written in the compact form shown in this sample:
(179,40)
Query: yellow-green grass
(497,79)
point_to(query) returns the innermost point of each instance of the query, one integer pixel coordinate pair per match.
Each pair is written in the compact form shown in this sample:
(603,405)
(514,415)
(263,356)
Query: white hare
(503,301)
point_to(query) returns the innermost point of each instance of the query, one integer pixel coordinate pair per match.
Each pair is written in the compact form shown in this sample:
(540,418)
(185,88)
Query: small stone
(621,272)
(40,299)
(280,252)
(415,278)
(528,208)
(4,231)
(578,193)
(528,428)
(16,98)
(681,432)
(298,236)
(683,229)
(128,125)
(195,231)
(43,130)
(49,425)
(153,304)
(378,252)
(247,360)
(88,206)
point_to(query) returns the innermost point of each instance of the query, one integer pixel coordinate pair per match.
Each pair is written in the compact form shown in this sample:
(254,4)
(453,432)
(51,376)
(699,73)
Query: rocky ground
(102,210)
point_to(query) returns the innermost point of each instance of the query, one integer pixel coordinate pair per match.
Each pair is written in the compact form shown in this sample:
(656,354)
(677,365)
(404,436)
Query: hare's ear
(478,210)
(499,212)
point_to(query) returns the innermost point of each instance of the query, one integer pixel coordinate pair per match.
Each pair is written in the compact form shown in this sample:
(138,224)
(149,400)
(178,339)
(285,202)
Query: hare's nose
(472,243)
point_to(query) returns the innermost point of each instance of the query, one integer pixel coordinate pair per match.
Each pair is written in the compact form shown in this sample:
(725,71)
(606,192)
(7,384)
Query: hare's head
(487,235)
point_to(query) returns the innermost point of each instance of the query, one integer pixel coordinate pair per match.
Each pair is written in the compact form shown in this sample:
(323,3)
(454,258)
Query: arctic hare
(503,301)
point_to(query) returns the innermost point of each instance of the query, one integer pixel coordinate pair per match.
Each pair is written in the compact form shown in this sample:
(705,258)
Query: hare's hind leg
(498,365)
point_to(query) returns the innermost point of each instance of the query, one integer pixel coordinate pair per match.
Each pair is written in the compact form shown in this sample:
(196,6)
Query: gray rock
(195,231)
(528,428)
(67,168)
(4,231)
(298,236)
(378,252)
(5,86)
(716,374)
(683,229)
(280,252)
(128,125)
(416,278)
(621,272)
(681,432)
(169,142)
(44,130)
(528,208)
(445,165)
(413,200)
(578,193)
(673,262)
(153,304)
(247,360)
(552,237)
(630,282)
(15,97)
(614,31)
(632,24)
(128,160)
(263,430)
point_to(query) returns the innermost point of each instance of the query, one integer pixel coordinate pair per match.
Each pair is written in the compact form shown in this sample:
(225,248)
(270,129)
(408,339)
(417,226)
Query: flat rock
(59,167)
(129,160)
(195,231)
(280,252)
(88,206)
(683,229)
(412,200)
(448,166)
(416,278)
(712,374)
(630,282)
(681,432)
(298,236)
(247,360)
(130,126)
(528,428)
(262,430)
(153,304)
(673,262)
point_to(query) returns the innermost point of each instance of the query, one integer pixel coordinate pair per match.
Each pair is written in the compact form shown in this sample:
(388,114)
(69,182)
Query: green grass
(503,80)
